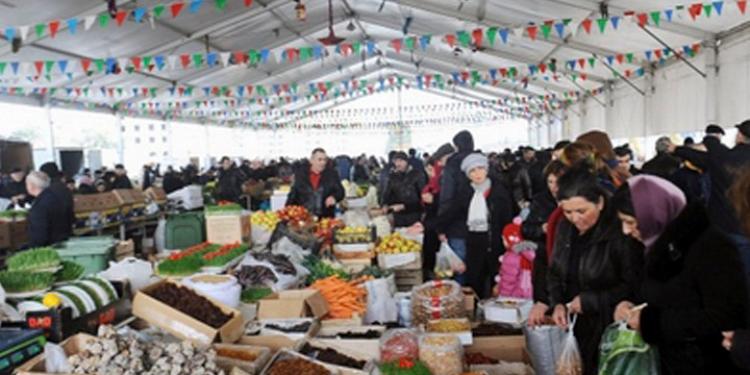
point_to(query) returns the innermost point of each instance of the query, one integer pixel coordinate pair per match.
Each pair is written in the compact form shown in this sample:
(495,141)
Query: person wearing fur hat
(482,209)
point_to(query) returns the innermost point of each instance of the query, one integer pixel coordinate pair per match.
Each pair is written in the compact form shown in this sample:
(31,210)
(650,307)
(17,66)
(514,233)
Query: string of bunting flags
(115,16)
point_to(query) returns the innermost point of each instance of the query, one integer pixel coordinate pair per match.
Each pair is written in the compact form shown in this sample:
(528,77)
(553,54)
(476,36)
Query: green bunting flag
(409,44)
(99,65)
(656,18)
(159,10)
(546,29)
(198,59)
(103,20)
(707,8)
(221,4)
(2,67)
(602,22)
(464,38)
(39,29)
(592,62)
(491,35)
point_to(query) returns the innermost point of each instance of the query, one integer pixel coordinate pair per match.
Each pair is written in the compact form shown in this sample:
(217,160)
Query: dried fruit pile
(190,303)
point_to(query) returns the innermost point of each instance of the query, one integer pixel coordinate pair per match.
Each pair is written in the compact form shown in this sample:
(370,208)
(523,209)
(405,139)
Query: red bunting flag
(657,53)
(451,40)
(587,25)
(695,10)
(181,90)
(120,17)
(628,73)
(78,91)
(53,27)
(742,4)
(185,60)
(248,3)
(249,90)
(240,57)
(696,48)
(477,34)
(396,44)
(642,19)
(111,92)
(532,30)
(620,58)
(584,76)
(176,8)
(543,68)
(465,76)
(582,63)
(136,62)
(39,66)
(427,79)
(85,64)
(144,91)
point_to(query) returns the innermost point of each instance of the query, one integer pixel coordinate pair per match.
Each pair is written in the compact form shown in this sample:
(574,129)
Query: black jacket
(122,182)
(302,193)
(453,214)
(662,165)
(541,207)
(453,180)
(51,216)
(741,349)
(229,187)
(609,270)
(695,289)
(405,188)
(522,189)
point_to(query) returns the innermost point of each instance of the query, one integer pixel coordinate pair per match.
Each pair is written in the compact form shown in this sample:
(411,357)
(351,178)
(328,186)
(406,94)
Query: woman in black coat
(402,194)
(594,266)
(534,228)
(694,286)
(483,209)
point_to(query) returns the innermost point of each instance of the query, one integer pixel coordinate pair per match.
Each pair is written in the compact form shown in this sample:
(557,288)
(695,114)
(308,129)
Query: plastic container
(94,259)
(222,288)
(442,353)
(184,230)
(399,344)
(437,300)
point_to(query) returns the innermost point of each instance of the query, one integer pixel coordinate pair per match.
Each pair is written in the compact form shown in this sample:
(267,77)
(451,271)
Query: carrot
(345,299)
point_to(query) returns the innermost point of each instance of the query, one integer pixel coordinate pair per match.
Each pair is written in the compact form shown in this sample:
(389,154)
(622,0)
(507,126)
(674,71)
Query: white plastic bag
(570,362)
(381,306)
(55,360)
(160,235)
(448,260)
(544,344)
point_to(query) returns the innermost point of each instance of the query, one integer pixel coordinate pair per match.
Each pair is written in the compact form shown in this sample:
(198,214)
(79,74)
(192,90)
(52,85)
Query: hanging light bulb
(301,11)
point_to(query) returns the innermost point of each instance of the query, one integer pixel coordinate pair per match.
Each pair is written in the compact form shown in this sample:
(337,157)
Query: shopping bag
(448,261)
(569,362)
(544,344)
(623,352)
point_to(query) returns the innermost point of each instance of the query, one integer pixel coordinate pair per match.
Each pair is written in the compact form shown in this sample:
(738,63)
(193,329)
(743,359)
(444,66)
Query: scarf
(656,203)
(433,186)
(477,219)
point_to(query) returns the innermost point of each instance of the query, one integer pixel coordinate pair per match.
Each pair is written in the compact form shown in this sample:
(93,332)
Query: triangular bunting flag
(642,19)
(531,31)
(610,59)
(546,29)
(3,64)
(39,65)
(159,62)
(195,5)
(159,10)
(138,14)
(120,17)
(602,22)
(14,65)
(85,64)
(586,23)
(560,28)
(54,26)
(248,3)
(221,4)
(504,35)
(648,55)
(707,8)
(695,10)
(592,62)
(718,6)
(72,26)
(176,8)
(669,13)
(185,60)
(491,35)
(629,57)
(224,57)
(656,18)
(477,35)
(615,22)
(172,61)
(742,4)
(211,59)
(104,20)
(136,60)
(24,31)
(88,22)
(39,29)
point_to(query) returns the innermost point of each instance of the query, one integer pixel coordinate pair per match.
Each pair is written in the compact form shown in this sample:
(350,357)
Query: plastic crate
(93,258)
(17,346)
(184,230)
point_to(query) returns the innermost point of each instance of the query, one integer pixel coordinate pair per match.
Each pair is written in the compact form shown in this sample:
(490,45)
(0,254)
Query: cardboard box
(124,249)
(71,346)
(361,354)
(405,261)
(268,328)
(288,354)
(470,301)
(156,194)
(503,348)
(293,304)
(262,356)
(274,343)
(184,326)
(227,229)
(58,324)
(13,234)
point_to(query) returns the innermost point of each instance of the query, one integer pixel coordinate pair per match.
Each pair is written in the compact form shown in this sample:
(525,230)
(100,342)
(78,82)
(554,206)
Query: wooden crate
(408,279)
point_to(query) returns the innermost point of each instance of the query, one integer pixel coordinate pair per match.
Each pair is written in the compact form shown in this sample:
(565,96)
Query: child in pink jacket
(514,277)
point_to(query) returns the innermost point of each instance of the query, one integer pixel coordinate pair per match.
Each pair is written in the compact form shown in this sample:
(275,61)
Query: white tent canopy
(627,91)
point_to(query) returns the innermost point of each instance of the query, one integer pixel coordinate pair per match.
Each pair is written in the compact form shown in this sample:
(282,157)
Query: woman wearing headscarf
(594,265)
(694,287)
(484,209)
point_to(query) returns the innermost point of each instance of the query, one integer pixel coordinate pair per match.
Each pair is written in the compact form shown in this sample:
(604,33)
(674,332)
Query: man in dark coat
(402,195)
(664,164)
(453,227)
(121,180)
(416,163)
(229,187)
(712,140)
(317,186)
(50,219)
(15,188)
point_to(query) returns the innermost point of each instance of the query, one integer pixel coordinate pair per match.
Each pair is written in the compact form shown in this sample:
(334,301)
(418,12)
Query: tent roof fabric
(202,28)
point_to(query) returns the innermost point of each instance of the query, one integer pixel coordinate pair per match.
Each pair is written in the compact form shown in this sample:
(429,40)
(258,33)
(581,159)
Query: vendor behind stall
(50,219)
(317,185)
(15,188)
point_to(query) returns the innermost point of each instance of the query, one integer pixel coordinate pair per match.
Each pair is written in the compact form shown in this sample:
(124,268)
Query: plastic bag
(622,351)
(381,306)
(399,344)
(442,353)
(55,360)
(447,262)
(160,235)
(569,362)
(544,344)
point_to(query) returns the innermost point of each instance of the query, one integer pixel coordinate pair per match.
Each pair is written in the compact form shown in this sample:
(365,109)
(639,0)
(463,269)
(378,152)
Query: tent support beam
(679,55)
(617,74)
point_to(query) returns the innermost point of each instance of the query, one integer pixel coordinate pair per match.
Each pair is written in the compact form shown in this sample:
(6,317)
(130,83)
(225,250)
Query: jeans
(459,247)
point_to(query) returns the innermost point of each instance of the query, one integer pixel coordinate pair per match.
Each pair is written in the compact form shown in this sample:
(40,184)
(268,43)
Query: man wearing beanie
(453,181)
(482,210)
(402,193)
